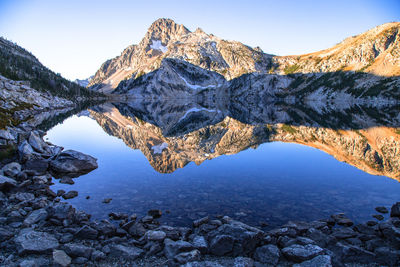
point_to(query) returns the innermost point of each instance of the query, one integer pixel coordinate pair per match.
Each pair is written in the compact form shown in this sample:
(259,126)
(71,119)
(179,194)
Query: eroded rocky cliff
(375,52)
(167,39)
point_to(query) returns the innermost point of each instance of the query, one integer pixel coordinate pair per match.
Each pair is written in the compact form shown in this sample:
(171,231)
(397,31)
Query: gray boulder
(200,243)
(243,262)
(343,233)
(319,261)
(381,209)
(37,143)
(299,253)
(152,235)
(35,217)
(29,263)
(26,152)
(73,162)
(61,258)
(173,248)
(203,264)
(5,234)
(246,238)
(350,254)
(24,196)
(78,250)
(6,182)
(12,169)
(268,254)
(395,210)
(61,211)
(6,135)
(200,221)
(222,245)
(30,241)
(98,255)
(131,252)
(70,194)
(87,232)
(104,227)
(185,257)
(387,256)
(37,165)
(137,229)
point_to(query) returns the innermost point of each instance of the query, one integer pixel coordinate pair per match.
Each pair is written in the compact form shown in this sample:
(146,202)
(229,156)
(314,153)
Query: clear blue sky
(74,37)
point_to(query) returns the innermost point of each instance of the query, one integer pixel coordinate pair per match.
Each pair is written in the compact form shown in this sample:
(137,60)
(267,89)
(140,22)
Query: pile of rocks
(39,158)
(37,229)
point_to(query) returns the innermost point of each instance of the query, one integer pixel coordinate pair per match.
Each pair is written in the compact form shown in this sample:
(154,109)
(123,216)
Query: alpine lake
(263,164)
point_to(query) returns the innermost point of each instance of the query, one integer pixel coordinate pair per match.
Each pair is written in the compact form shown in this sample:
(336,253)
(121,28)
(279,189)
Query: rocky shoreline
(38,229)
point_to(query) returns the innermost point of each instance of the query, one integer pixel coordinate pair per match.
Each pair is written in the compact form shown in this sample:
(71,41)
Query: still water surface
(273,183)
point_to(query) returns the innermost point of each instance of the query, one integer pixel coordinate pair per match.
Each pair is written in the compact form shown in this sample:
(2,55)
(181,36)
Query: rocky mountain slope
(19,102)
(18,64)
(177,79)
(171,136)
(167,39)
(375,52)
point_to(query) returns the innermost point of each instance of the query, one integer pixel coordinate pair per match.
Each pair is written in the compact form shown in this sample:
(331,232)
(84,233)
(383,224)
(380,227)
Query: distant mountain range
(173,62)
(375,52)
(84,82)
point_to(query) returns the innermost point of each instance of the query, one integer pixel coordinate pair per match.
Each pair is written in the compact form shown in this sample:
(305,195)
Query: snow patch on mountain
(196,87)
(157,45)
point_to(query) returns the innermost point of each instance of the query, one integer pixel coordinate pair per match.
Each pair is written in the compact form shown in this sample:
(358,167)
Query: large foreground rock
(73,162)
(30,241)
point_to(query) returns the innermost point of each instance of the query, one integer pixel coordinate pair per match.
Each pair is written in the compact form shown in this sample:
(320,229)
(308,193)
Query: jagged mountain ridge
(375,51)
(179,79)
(166,39)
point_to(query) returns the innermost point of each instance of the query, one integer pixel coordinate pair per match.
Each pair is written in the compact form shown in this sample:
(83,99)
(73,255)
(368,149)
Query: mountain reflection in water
(277,181)
(173,133)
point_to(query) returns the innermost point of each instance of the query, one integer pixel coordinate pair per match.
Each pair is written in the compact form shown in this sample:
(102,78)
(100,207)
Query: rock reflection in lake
(173,135)
(274,183)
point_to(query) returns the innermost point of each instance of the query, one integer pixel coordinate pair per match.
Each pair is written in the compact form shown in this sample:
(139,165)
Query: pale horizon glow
(75,37)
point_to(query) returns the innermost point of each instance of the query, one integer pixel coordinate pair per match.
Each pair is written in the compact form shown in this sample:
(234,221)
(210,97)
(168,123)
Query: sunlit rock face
(375,52)
(167,39)
(173,133)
